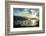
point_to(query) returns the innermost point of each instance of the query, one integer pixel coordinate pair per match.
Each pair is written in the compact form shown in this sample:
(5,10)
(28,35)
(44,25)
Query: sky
(24,11)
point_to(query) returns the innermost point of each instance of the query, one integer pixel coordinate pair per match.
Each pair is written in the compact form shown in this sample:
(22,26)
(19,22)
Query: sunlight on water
(33,22)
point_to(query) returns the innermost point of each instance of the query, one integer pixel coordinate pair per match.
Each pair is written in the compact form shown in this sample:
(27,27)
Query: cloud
(24,11)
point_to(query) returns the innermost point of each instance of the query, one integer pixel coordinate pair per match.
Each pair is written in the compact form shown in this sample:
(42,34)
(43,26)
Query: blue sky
(23,11)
